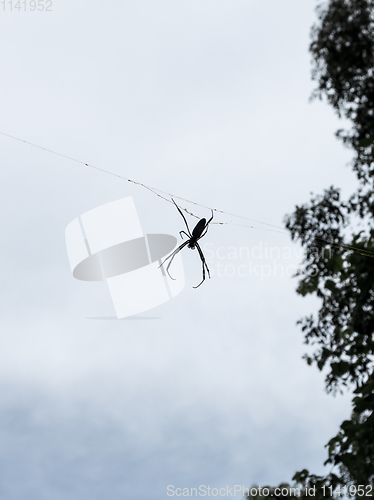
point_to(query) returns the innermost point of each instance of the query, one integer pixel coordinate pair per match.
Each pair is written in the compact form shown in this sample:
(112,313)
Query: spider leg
(167,268)
(172,255)
(184,218)
(205,231)
(210,220)
(205,265)
(207,226)
(202,258)
(183,232)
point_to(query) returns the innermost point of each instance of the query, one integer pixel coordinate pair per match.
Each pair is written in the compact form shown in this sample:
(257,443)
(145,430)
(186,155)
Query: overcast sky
(208,100)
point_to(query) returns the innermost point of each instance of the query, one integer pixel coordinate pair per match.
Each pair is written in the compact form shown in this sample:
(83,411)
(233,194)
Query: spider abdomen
(198,229)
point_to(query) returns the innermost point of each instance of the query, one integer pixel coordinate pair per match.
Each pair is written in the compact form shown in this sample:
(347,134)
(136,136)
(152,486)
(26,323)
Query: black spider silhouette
(198,232)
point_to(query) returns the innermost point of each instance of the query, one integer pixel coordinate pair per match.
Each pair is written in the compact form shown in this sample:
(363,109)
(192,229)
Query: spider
(198,232)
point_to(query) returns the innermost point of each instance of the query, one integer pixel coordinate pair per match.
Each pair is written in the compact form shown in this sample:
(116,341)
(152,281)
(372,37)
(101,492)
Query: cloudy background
(207,100)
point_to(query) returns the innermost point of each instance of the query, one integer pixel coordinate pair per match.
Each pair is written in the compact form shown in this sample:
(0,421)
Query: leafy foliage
(338,265)
(343,52)
(344,281)
(353,448)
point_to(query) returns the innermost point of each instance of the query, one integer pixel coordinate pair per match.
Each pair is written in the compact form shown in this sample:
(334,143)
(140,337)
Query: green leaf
(330,285)
(345,333)
(366,142)
(335,263)
(306,287)
(340,368)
